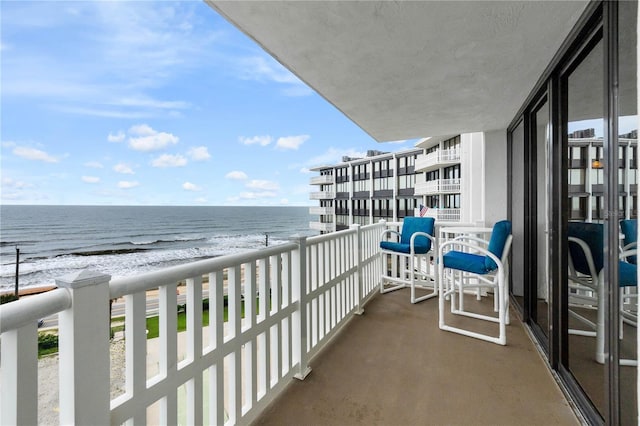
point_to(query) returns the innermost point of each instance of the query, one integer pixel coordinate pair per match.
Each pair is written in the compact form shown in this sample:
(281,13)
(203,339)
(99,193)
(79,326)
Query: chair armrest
(630,246)
(471,238)
(389,231)
(587,254)
(434,242)
(629,252)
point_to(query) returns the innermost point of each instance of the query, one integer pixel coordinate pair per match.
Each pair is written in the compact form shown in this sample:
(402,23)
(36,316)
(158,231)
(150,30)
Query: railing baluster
(20,376)
(136,352)
(216,333)
(168,318)
(194,349)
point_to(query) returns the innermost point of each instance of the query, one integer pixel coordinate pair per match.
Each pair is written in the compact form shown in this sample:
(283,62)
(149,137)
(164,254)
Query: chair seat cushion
(466,262)
(404,248)
(627,274)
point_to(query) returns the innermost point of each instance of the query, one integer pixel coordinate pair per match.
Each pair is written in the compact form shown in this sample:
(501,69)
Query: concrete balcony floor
(393,366)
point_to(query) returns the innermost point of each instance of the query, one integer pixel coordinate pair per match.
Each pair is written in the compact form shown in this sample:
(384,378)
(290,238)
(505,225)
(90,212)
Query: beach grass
(152,324)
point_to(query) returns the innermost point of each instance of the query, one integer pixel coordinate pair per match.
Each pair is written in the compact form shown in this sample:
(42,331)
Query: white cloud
(169,160)
(141,130)
(188,186)
(123,184)
(256,195)
(94,165)
(90,179)
(262,68)
(334,156)
(259,140)
(15,184)
(147,139)
(263,185)
(8,144)
(34,154)
(291,142)
(305,170)
(236,175)
(199,153)
(123,168)
(118,137)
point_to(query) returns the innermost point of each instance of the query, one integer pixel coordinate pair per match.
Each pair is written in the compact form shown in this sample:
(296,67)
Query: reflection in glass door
(628,204)
(585,227)
(540,291)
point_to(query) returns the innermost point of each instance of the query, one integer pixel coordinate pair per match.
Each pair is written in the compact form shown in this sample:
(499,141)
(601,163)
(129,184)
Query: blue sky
(155,103)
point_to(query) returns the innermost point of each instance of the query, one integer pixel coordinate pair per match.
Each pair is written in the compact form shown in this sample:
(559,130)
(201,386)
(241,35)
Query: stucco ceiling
(403,70)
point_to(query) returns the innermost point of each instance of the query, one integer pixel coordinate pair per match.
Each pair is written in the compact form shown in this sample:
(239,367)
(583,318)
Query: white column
(84,350)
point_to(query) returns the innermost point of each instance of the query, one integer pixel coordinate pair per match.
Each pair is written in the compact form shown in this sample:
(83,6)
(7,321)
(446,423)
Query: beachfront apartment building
(365,190)
(586,176)
(442,173)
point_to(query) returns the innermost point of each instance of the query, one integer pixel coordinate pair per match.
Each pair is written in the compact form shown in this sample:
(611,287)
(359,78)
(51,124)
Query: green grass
(152,326)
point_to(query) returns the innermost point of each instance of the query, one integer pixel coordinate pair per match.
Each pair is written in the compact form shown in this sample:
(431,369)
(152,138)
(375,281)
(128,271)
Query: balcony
(322,195)
(322,226)
(439,186)
(320,210)
(444,215)
(290,307)
(321,180)
(435,160)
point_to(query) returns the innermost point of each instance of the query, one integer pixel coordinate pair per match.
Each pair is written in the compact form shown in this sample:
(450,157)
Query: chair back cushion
(629,228)
(593,235)
(411,225)
(499,235)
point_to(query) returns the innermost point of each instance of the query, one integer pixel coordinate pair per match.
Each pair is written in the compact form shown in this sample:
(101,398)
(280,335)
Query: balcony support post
(20,373)
(357,253)
(299,294)
(84,350)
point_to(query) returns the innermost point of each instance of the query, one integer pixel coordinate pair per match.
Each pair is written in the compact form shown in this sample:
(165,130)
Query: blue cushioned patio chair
(470,263)
(586,281)
(629,229)
(408,262)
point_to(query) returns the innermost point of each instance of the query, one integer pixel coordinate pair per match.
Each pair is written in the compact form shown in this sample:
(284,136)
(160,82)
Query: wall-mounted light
(596,164)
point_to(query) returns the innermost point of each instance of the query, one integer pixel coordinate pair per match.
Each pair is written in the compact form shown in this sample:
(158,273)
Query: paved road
(117,310)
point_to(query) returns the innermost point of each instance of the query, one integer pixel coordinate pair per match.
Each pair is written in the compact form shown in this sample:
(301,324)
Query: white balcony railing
(322,226)
(435,159)
(320,210)
(444,215)
(322,195)
(321,180)
(284,304)
(439,186)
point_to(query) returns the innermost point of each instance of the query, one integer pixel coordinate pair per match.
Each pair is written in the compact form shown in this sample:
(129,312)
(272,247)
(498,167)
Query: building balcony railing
(444,215)
(321,180)
(322,226)
(436,159)
(322,195)
(320,210)
(440,186)
(284,304)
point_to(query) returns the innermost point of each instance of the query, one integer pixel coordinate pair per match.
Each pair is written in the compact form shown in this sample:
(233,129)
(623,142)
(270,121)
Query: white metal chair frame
(411,275)
(586,290)
(455,283)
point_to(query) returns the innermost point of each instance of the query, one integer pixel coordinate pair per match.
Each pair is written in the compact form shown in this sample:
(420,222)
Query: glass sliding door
(585,220)
(516,152)
(539,305)
(628,194)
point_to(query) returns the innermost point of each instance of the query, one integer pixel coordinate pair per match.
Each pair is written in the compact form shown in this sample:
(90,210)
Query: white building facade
(444,174)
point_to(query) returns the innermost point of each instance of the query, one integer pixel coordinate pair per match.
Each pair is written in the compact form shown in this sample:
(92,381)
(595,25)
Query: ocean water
(128,240)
